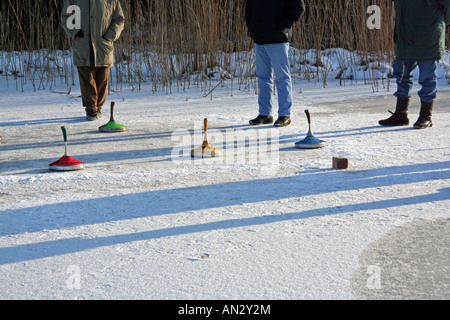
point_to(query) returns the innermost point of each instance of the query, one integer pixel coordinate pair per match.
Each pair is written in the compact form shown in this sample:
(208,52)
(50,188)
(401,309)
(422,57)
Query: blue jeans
(403,72)
(272,58)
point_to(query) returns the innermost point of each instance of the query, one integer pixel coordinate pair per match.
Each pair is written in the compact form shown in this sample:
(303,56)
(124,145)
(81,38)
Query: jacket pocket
(104,54)
(426,36)
(107,46)
(80,48)
(285,33)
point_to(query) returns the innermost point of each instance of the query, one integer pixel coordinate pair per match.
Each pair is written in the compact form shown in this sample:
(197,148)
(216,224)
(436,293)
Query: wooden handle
(205,125)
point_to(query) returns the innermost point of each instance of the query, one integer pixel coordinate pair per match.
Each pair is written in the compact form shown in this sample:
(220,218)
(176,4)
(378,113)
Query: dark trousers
(94,87)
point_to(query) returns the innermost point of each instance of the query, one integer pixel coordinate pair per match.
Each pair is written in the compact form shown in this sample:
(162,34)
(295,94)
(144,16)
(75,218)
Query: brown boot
(400,116)
(424,120)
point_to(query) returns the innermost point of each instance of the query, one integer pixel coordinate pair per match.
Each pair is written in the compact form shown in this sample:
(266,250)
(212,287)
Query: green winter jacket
(420,29)
(101,23)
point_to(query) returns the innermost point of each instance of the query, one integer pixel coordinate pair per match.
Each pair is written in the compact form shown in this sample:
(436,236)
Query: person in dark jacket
(419,42)
(270,25)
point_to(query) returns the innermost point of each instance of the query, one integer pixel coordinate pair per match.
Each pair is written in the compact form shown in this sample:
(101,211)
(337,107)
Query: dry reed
(181,43)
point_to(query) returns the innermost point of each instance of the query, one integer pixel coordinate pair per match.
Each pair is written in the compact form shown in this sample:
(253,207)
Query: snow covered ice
(139,223)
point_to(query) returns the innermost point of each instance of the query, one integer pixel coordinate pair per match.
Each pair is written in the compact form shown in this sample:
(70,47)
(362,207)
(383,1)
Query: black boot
(424,120)
(400,116)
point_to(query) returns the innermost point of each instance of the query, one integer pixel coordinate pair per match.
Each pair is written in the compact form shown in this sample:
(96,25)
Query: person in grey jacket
(100,25)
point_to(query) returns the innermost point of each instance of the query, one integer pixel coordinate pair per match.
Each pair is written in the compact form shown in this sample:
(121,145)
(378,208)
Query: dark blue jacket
(270,21)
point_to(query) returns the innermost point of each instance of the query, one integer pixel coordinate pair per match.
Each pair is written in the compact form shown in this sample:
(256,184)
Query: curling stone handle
(309,123)
(308,116)
(64,131)
(112,111)
(205,125)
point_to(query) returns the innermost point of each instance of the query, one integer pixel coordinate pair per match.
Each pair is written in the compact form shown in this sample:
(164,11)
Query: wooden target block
(340,163)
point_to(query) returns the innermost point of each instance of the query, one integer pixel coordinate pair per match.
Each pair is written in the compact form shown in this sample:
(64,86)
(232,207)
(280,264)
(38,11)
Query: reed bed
(177,44)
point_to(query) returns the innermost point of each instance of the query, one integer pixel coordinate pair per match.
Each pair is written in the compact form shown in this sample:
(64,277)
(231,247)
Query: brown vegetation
(179,43)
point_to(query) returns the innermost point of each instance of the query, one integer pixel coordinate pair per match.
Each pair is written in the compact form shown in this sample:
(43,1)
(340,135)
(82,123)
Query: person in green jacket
(419,38)
(93,26)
